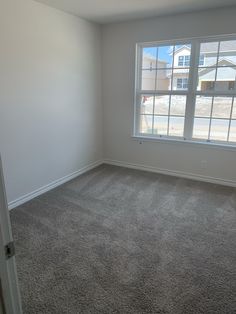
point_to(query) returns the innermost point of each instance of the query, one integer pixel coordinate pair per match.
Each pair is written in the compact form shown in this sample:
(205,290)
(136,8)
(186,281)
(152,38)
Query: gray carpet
(124,241)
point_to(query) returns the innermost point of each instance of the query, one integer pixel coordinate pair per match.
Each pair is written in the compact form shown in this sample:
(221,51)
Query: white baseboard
(174,173)
(25,198)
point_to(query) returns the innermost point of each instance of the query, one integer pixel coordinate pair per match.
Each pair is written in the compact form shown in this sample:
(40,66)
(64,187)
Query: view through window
(186,90)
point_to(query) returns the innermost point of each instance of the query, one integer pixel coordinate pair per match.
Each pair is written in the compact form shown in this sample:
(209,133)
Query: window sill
(220,146)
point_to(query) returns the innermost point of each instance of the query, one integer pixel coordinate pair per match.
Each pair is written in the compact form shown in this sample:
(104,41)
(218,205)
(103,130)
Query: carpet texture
(117,240)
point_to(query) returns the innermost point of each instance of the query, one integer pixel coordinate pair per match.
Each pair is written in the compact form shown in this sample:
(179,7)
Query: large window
(187,91)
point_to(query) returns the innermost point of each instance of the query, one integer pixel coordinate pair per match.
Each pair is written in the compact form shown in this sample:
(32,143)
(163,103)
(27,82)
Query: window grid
(191,90)
(153,108)
(152,115)
(216,67)
(209,131)
(171,86)
(230,119)
(187,67)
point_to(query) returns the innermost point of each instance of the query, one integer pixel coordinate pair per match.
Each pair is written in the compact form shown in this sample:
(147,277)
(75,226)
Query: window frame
(191,93)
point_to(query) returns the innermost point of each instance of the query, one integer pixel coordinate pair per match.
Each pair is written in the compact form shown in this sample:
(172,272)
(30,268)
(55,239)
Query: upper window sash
(158,68)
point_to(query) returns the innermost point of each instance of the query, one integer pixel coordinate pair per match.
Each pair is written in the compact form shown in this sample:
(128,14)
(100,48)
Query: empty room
(117,157)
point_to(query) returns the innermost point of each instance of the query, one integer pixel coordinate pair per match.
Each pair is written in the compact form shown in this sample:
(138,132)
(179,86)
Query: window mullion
(138,84)
(230,121)
(192,86)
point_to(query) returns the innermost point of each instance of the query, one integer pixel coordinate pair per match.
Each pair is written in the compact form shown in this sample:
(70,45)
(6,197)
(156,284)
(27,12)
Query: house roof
(222,62)
(180,48)
(224,72)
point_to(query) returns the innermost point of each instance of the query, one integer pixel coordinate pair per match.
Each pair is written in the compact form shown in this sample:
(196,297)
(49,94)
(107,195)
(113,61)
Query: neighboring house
(161,79)
(180,71)
(226,73)
(150,76)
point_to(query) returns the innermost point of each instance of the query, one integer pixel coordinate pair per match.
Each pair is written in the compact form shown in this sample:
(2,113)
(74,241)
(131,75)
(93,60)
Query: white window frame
(191,93)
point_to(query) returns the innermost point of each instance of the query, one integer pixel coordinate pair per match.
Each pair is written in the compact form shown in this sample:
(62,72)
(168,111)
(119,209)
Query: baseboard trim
(27,197)
(174,173)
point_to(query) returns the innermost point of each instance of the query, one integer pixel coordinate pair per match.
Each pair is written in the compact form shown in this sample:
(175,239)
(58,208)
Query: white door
(10,302)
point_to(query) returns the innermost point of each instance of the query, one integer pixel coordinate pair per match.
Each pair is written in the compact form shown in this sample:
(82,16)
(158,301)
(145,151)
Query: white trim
(174,41)
(177,140)
(174,173)
(27,197)
(8,272)
(191,92)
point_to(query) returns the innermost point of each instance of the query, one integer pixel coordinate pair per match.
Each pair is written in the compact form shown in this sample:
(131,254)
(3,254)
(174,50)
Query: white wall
(51,119)
(118,95)
(50,95)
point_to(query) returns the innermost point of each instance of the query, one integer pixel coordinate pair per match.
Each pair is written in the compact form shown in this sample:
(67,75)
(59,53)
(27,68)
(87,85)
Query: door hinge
(9,250)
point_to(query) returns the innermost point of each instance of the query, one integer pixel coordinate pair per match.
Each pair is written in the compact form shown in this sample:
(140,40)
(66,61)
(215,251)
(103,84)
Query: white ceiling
(108,11)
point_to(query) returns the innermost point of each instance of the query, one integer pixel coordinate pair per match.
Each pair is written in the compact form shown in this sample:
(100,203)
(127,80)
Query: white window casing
(166,84)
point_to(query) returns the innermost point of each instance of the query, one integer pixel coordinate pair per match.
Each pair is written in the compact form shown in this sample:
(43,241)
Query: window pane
(176,126)
(232,134)
(149,58)
(146,124)
(178,104)
(165,56)
(162,105)
(222,107)
(160,125)
(206,79)
(148,79)
(147,104)
(227,53)
(225,79)
(201,128)
(163,79)
(234,110)
(219,129)
(203,106)
(209,51)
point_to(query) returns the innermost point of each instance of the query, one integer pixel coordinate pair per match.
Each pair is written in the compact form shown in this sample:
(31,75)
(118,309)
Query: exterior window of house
(231,85)
(187,91)
(184,61)
(201,59)
(182,83)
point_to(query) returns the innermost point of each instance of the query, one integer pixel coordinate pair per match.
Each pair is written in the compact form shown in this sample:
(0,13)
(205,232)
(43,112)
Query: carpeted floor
(124,241)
